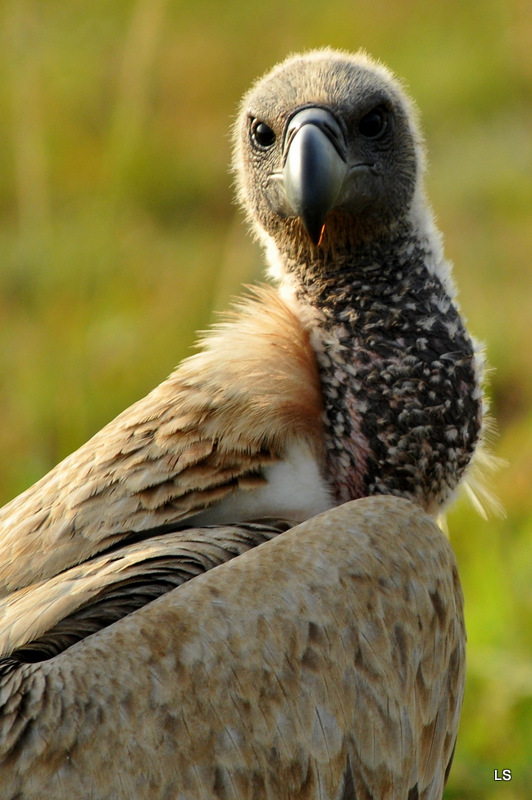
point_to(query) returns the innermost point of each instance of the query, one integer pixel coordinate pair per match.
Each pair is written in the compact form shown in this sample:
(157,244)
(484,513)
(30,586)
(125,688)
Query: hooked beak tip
(314,229)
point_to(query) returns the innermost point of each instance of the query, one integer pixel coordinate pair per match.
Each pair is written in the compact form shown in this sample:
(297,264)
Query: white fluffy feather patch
(295,491)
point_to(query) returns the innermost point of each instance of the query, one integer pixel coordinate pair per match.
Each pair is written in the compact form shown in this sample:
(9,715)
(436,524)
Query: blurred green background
(119,236)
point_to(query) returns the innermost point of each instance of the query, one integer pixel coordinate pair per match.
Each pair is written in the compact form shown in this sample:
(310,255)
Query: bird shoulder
(210,429)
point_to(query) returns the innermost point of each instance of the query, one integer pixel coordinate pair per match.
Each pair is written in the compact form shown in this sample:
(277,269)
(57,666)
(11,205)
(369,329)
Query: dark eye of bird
(262,134)
(374,123)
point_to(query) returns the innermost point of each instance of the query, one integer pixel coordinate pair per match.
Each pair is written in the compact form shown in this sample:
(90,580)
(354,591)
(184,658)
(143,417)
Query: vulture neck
(402,394)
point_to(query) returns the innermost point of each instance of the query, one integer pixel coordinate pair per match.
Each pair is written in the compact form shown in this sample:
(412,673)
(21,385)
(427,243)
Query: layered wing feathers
(208,430)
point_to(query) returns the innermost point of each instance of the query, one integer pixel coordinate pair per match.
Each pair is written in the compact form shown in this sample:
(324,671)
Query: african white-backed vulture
(328,661)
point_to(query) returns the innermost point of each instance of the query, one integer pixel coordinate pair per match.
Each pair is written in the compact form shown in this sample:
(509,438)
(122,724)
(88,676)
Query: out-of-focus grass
(118,237)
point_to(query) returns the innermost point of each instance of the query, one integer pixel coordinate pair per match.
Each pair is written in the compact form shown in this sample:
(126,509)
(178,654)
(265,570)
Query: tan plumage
(224,415)
(51,614)
(328,662)
(246,683)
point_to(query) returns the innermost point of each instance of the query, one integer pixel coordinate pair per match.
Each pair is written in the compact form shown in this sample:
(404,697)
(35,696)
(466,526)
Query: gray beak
(314,167)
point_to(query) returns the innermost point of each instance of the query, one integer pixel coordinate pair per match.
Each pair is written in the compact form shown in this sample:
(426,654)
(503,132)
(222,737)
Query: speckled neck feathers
(403,404)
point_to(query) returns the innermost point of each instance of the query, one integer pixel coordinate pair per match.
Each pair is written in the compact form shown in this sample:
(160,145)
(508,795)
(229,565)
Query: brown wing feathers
(209,428)
(49,616)
(246,683)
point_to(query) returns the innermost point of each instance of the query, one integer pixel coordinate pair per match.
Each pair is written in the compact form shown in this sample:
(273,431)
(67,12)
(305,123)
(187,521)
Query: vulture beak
(314,167)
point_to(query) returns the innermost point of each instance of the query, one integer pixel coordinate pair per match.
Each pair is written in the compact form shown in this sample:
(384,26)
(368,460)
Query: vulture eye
(374,123)
(261,134)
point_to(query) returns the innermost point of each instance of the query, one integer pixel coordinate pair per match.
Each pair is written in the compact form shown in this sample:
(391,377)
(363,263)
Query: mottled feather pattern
(394,352)
(338,674)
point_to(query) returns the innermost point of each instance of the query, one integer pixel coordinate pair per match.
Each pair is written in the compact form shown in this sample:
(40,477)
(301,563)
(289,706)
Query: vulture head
(328,153)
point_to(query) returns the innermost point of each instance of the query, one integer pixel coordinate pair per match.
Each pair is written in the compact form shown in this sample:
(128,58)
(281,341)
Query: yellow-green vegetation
(118,238)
